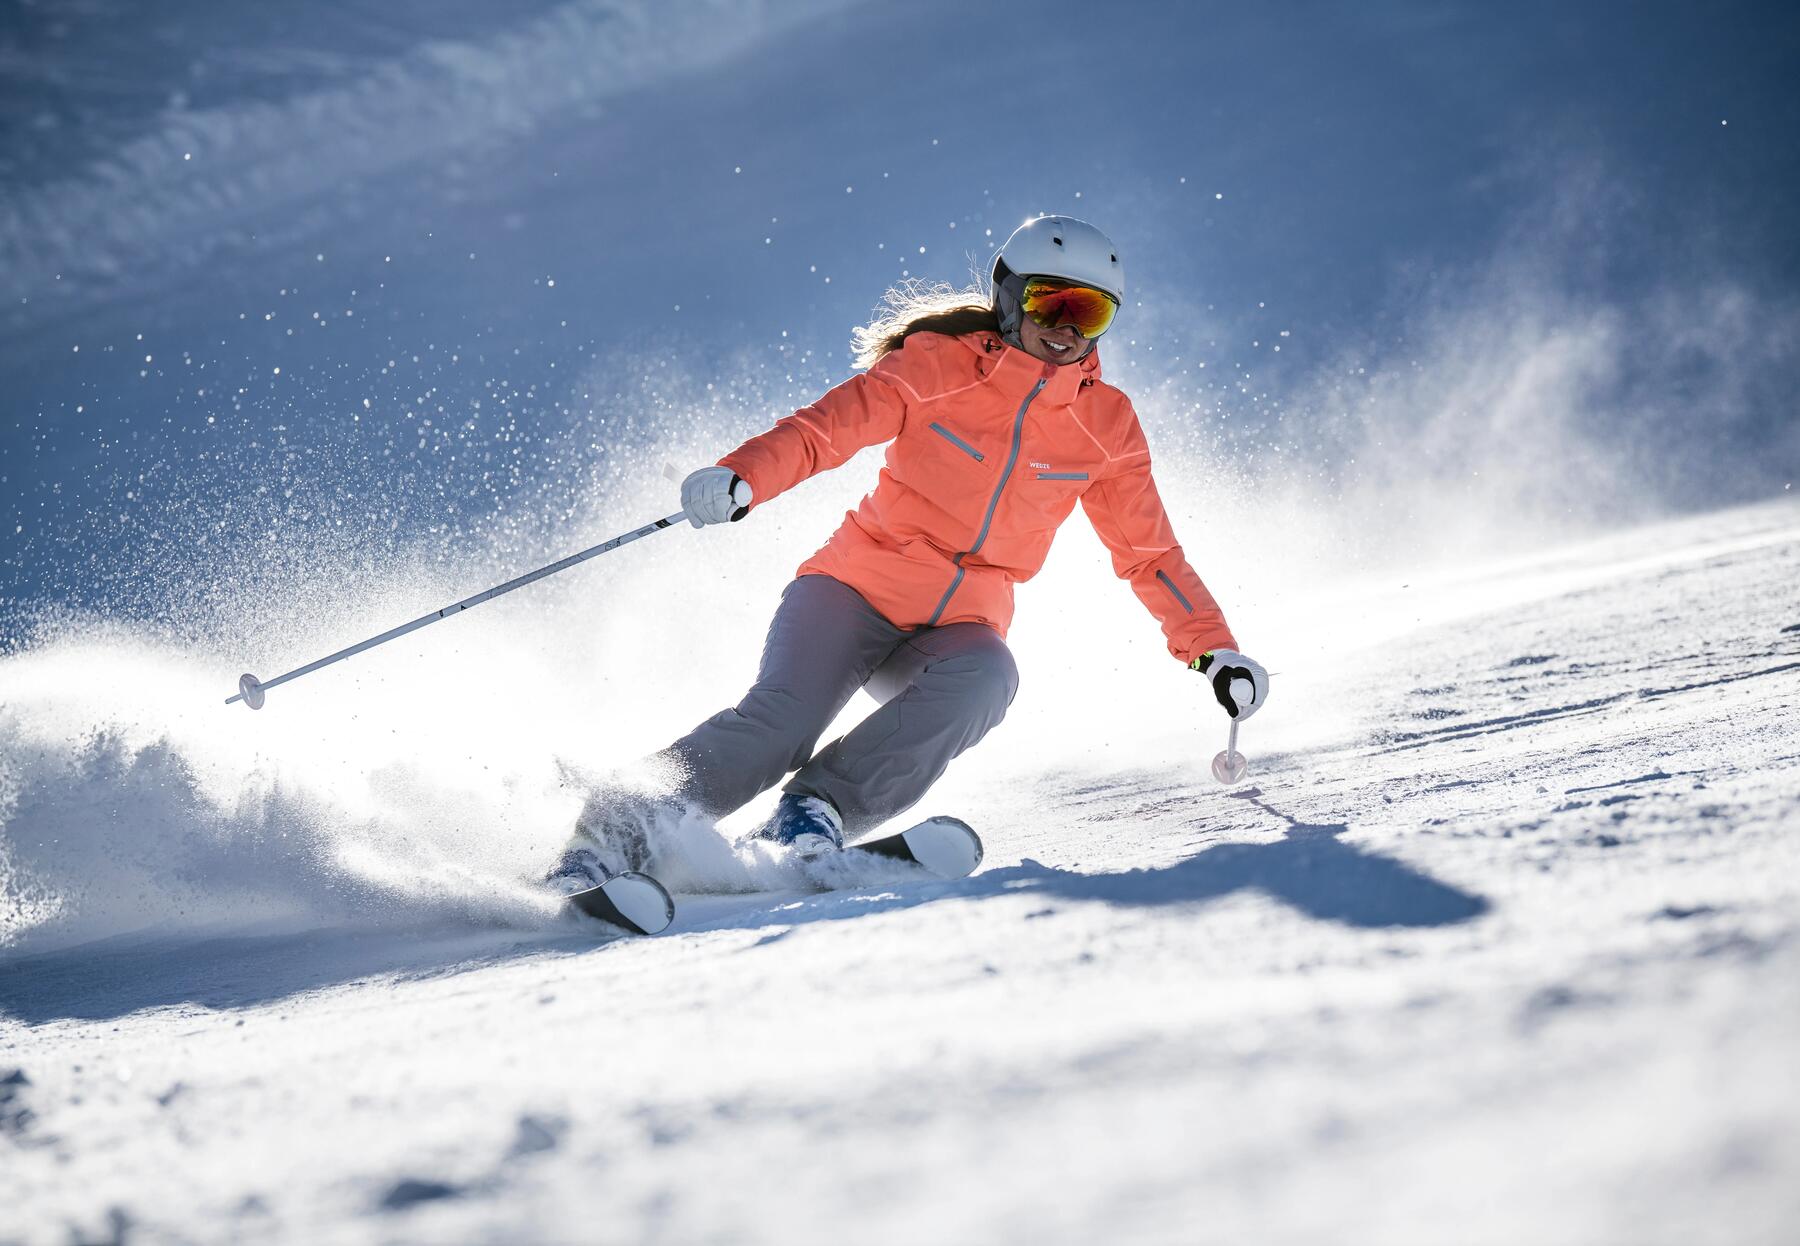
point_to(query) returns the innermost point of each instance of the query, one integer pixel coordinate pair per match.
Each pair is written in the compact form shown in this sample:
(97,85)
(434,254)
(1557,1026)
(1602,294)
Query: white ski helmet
(1052,246)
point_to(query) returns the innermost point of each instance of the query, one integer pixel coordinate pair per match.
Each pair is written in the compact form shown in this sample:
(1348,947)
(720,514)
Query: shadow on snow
(115,977)
(1309,868)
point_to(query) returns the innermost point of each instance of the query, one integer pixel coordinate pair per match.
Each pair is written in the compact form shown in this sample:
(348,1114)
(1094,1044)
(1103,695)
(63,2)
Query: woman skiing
(997,423)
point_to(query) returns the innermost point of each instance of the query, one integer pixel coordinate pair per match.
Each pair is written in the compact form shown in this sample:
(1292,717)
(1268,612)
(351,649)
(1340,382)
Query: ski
(634,902)
(947,848)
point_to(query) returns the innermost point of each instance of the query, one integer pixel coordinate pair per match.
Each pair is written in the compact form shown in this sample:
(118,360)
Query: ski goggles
(1051,302)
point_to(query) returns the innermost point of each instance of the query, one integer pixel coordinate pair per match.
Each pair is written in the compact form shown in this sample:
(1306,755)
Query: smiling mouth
(1057,348)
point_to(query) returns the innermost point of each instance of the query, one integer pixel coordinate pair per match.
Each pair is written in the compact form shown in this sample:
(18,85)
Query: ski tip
(944,846)
(634,902)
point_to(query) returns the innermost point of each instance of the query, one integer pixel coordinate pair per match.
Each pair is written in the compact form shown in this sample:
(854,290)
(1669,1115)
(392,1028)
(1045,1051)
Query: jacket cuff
(742,470)
(1186,656)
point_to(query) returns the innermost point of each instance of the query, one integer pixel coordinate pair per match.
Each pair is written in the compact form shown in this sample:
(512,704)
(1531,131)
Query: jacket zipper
(956,441)
(987,521)
(1175,592)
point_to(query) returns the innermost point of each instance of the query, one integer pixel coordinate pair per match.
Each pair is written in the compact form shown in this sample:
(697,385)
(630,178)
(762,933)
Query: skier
(997,424)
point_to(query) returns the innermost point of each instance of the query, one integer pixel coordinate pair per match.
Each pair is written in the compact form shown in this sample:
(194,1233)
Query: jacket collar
(1014,369)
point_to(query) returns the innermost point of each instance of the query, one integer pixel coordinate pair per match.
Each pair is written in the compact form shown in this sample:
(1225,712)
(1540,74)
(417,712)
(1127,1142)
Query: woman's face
(1059,345)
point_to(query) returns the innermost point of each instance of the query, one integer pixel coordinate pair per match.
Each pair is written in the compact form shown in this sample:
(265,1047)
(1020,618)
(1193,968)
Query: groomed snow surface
(1497,943)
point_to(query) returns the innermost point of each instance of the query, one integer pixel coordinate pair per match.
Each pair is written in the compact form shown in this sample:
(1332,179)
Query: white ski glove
(1240,684)
(714,495)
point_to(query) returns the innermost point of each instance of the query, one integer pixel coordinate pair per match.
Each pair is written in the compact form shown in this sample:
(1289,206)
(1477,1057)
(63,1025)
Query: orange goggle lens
(1052,303)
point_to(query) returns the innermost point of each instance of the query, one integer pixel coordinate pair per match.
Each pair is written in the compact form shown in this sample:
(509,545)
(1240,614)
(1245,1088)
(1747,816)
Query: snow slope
(316,317)
(1497,943)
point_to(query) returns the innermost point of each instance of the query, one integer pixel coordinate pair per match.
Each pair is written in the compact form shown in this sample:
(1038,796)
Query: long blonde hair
(920,306)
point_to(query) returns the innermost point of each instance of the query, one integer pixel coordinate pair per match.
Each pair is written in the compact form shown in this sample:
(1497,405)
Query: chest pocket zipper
(1062,475)
(958,442)
(1012,459)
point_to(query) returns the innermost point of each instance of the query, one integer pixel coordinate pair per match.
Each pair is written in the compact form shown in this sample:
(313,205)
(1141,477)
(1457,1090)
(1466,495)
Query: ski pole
(251,690)
(1230,765)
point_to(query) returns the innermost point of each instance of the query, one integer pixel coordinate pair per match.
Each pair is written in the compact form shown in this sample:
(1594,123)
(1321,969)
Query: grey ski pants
(941,689)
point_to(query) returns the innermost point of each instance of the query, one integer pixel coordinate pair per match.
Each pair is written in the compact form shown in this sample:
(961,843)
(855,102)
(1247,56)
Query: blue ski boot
(807,824)
(612,837)
(579,870)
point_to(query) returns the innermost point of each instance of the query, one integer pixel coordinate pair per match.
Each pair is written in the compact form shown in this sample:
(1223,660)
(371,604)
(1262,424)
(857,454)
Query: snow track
(324,146)
(1500,947)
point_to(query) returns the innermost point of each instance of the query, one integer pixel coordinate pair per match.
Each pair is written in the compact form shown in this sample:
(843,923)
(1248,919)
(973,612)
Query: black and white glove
(714,495)
(1240,684)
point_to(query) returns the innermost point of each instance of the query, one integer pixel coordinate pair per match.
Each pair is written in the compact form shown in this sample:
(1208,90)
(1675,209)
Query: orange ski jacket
(989,451)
